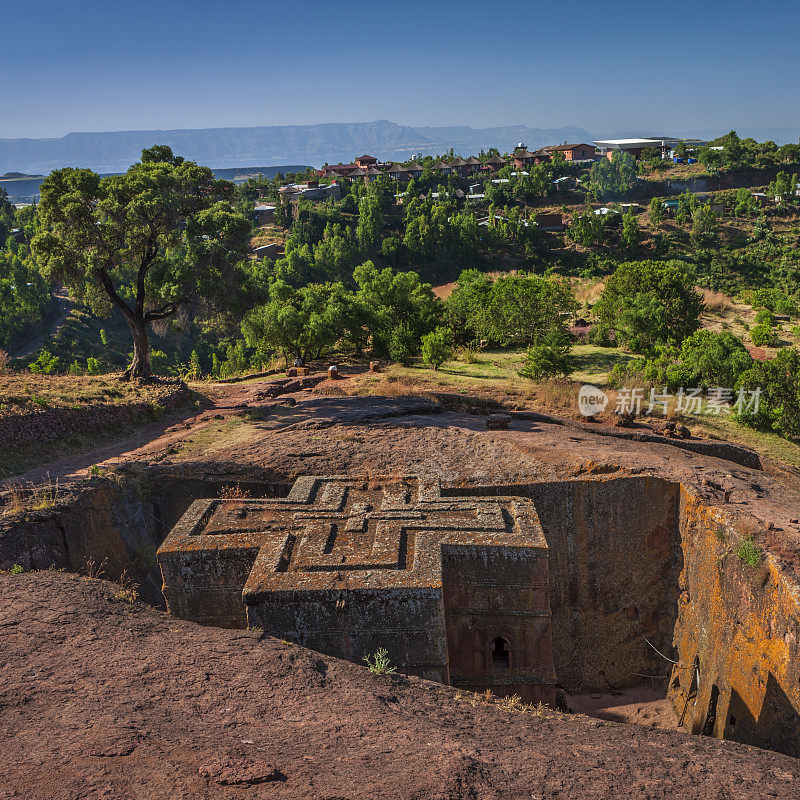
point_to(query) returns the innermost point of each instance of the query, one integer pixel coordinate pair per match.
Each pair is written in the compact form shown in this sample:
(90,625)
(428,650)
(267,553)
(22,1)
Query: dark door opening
(501,655)
(711,716)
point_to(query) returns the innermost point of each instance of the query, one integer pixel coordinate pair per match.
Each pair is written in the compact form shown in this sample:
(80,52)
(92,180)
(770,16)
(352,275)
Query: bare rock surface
(101,698)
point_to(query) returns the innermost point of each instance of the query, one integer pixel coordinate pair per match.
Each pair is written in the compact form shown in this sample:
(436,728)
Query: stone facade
(456,589)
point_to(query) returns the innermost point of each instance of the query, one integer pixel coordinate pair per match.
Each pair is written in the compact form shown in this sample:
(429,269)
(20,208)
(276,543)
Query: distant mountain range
(115,151)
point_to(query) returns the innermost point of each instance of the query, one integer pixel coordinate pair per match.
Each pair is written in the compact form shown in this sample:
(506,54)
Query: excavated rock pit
(644,582)
(637,576)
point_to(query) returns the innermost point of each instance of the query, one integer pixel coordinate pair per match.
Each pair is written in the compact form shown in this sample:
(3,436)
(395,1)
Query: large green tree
(302,322)
(150,243)
(615,178)
(650,303)
(397,306)
(520,309)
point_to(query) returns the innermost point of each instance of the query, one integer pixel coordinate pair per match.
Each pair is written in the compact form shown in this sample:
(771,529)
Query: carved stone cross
(346,566)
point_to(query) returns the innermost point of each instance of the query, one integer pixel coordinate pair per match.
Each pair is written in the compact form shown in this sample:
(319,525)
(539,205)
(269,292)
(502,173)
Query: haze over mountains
(287,144)
(313,145)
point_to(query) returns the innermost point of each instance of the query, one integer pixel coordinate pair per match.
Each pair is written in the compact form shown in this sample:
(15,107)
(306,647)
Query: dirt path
(221,402)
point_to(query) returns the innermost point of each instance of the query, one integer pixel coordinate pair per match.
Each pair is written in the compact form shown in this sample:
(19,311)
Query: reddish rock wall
(614,564)
(737,629)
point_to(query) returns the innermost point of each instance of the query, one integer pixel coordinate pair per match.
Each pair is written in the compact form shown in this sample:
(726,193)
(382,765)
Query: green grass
(378,663)
(764,442)
(749,552)
(595,363)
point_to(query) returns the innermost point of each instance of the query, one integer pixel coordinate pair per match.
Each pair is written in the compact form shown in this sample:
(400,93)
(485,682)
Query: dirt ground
(638,705)
(104,699)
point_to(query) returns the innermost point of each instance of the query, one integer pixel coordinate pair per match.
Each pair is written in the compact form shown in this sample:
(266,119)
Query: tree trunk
(140,366)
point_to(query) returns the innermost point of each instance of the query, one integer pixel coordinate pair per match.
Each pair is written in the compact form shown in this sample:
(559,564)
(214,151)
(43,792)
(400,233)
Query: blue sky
(606,66)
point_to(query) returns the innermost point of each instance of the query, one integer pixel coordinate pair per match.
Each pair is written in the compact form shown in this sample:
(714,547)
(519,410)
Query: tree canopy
(149,243)
(650,303)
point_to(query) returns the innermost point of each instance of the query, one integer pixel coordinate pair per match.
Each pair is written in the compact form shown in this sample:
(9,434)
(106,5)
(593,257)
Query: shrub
(437,347)
(378,663)
(765,317)
(94,366)
(712,359)
(550,357)
(4,361)
(403,345)
(778,381)
(158,361)
(601,336)
(763,336)
(17,570)
(773,300)
(45,364)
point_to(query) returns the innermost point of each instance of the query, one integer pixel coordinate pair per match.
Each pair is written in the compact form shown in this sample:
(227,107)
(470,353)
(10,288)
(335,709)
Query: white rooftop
(627,142)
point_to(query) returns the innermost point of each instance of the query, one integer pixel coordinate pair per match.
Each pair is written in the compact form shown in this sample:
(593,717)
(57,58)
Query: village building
(264,215)
(493,164)
(398,173)
(522,158)
(550,221)
(294,192)
(574,152)
(665,145)
(270,251)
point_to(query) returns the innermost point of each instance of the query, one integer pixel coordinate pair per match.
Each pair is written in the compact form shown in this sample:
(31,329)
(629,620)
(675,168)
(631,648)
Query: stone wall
(737,631)
(614,564)
(497,617)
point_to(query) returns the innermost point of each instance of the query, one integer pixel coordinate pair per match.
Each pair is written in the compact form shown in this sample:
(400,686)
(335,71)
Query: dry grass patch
(512,704)
(19,498)
(716,302)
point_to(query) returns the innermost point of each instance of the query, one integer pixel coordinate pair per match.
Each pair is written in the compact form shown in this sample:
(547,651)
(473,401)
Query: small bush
(765,317)
(94,366)
(763,336)
(4,361)
(378,663)
(17,570)
(45,364)
(749,552)
(601,336)
(469,356)
(437,347)
(550,357)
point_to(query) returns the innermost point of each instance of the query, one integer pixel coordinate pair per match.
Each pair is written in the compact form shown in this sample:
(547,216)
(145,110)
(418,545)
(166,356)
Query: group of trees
(509,311)
(732,152)
(25,296)
(654,310)
(390,311)
(167,244)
